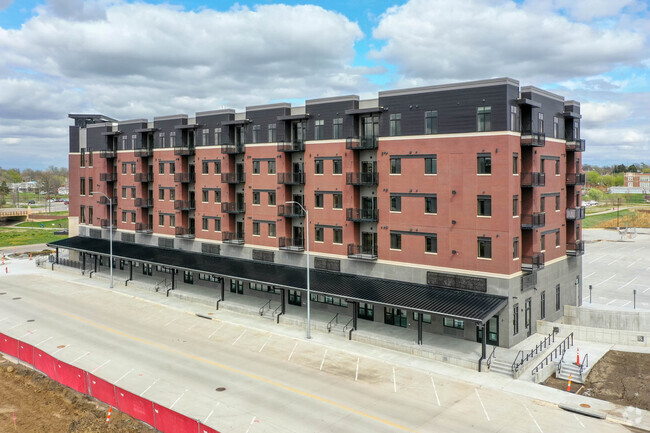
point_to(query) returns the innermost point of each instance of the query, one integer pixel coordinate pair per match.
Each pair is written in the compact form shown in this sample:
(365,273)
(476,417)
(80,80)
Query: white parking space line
(240,336)
(16,326)
(26,334)
(211,412)
(626,304)
(47,339)
(123,376)
(481,401)
(604,281)
(628,283)
(179,397)
(170,322)
(394,381)
(77,359)
(611,302)
(149,387)
(264,345)
(435,391)
(60,349)
(97,368)
(616,260)
(251,424)
(587,276)
(323,361)
(598,258)
(292,350)
(215,331)
(631,264)
(578,419)
(646,290)
(356,375)
(533,418)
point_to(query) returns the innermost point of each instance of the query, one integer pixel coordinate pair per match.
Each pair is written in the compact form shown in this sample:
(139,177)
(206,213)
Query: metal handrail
(558,351)
(585,364)
(263,307)
(345,328)
(329,324)
(540,347)
(489,360)
(163,282)
(276,309)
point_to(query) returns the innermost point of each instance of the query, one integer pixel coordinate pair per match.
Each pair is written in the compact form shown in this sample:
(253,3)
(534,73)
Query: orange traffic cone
(578,357)
(108,417)
(568,387)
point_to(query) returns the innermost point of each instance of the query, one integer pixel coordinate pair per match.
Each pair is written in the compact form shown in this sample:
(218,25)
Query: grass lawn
(16,237)
(46,224)
(593,221)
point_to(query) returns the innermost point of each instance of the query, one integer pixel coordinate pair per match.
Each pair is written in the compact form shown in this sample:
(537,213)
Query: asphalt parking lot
(616,265)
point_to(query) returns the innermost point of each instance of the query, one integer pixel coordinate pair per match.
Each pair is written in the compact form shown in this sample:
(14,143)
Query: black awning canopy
(461,304)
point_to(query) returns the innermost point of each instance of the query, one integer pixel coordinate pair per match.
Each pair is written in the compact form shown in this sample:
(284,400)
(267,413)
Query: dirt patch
(43,405)
(618,377)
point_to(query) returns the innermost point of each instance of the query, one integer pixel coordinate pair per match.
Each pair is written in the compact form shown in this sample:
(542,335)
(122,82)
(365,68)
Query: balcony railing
(362,215)
(108,153)
(184,150)
(361,143)
(144,177)
(184,177)
(143,152)
(106,201)
(291,146)
(362,252)
(360,179)
(232,149)
(533,221)
(104,223)
(143,228)
(184,204)
(232,207)
(291,244)
(576,248)
(232,238)
(533,139)
(290,211)
(233,177)
(143,202)
(575,213)
(297,178)
(108,177)
(533,179)
(184,232)
(576,179)
(533,263)
(575,145)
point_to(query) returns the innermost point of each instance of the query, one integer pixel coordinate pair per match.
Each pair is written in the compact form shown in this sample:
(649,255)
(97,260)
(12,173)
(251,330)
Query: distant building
(638,180)
(31,186)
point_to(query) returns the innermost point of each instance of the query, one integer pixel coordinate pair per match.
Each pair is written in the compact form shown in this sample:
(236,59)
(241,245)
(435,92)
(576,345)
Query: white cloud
(595,113)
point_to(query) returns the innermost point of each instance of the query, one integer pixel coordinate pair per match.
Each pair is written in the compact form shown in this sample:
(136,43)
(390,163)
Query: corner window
(484,205)
(515,248)
(484,118)
(430,122)
(395,165)
(485,248)
(484,163)
(396,204)
(395,241)
(395,124)
(515,163)
(515,205)
(431,165)
(431,244)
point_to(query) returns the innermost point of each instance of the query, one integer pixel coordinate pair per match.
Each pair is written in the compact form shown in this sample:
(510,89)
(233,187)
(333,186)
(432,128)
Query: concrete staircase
(501,367)
(569,367)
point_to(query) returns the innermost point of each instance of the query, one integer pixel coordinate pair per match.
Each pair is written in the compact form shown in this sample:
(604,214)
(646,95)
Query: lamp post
(110,229)
(308,287)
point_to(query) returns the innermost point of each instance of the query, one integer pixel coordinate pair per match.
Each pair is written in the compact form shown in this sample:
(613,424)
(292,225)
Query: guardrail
(528,356)
(558,352)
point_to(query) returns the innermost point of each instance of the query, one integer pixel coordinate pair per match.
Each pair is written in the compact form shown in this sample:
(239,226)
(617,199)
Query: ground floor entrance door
(395,316)
(527,316)
(492,327)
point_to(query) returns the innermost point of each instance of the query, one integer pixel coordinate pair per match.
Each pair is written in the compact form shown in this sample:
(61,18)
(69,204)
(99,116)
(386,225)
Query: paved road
(275,380)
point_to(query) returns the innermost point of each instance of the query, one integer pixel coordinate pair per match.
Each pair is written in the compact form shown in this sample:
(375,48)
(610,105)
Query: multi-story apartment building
(454,209)
(638,180)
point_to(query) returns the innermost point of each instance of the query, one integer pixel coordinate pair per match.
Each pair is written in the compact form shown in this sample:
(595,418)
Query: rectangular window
(256,228)
(484,118)
(515,319)
(426,318)
(395,124)
(337,201)
(542,203)
(123,192)
(484,205)
(514,124)
(82,214)
(172,167)
(318,166)
(205,223)
(319,234)
(123,216)
(318,200)
(557,239)
(395,241)
(217,167)
(133,168)
(319,129)
(256,133)
(217,225)
(515,205)
(161,168)
(217,136)
(90,215)
(431,204)
(395,165)
(337,166)
(557,297)
(337,128)
(271,199)
(161,194)
(124,168)
(132,192)
(172,139)
(338,235)
(205,137)
(431,244)
(556,127)
(172,194)
(256,167)
(557,202)
(82,186)
(205,196)
(161,139)
(256,197)
(540,122)
(485,248)
(271,169)
(396,204)
(82,160)
(542,304)
(430,122)
(543,242)
(431,165)
(272,132)
(515,163)
(453,323)
(217,196)
(205,167)
(515,248)
(272,230)
(557,167)
(90,158)
(366,311)
(161,220)
(484,163)
(172,220)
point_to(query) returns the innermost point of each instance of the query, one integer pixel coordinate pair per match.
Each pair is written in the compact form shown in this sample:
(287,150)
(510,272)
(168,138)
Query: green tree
(595,194)
(594,178)
(619,179)
(608,180)
(632,169)
(4,191)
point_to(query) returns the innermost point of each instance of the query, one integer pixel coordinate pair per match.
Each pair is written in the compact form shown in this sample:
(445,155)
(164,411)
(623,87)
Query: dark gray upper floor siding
(551,107)
(74,138)
(264,117)
(321,109)
(167,125)
(211,120)
(128,130)
(94,138)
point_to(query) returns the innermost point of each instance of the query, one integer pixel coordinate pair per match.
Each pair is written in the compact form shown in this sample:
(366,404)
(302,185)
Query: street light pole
(308,287)
(110,231)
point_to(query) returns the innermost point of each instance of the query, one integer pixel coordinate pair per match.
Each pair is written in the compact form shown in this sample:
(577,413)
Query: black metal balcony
(573,179)
(143,152)
(362,215)
(575,145)
(575,213)
(105,224)
(533,179)
(232,149)
(533,139)
(184,150)
(361,143)
(143,228)
(232,238)
(291,244)
(143,202)
(108,153)
(290,211)
(533,221)
(184,204)
(144,177)
(233,177)
(291,146)
(576,248)
(532,263)
(362,252)
(232,207)
(108,177)
(297,178)
(106,201)
(362,179)
(184,232)
(184,177)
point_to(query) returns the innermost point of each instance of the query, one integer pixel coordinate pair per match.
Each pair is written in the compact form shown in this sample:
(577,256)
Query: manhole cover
(61,346)
(220,389)
(585,405)
(30,320)
(15,299)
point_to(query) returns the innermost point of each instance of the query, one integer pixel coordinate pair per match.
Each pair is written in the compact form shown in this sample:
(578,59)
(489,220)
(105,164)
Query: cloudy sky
(132,59)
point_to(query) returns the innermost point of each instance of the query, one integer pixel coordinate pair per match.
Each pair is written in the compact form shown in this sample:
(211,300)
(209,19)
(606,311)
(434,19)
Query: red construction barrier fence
(72,377)
(168,421)
(135,406)
(9,345)
(26,352)
(206,429)
(101,390)
(45,363)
